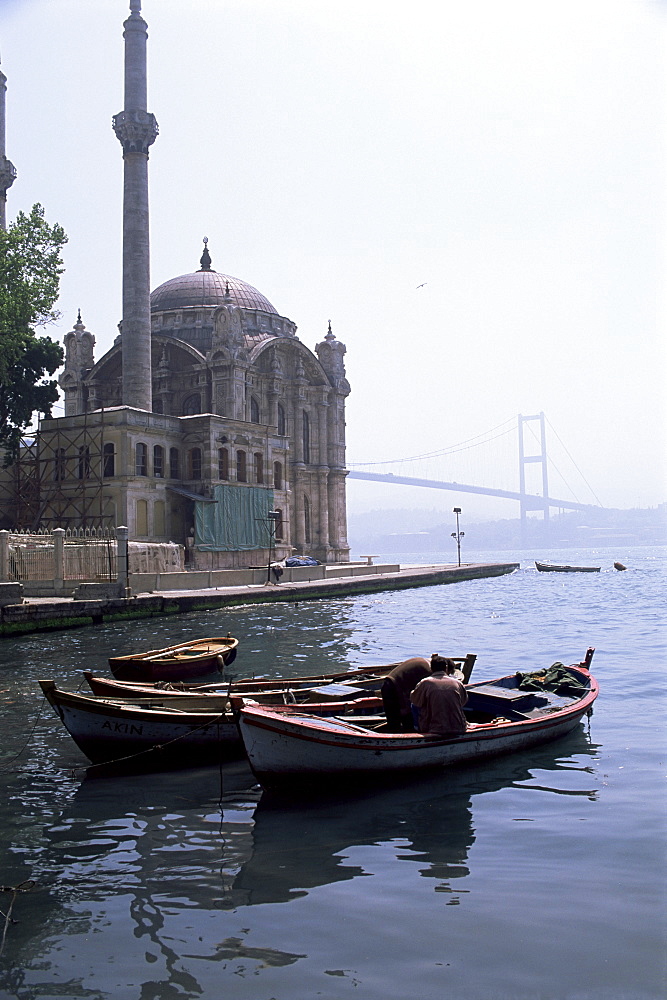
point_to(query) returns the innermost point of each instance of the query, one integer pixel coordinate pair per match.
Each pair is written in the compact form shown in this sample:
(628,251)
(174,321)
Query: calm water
(537,877)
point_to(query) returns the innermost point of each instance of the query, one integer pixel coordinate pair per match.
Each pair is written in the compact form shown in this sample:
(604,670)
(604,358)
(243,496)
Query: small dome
(207,288)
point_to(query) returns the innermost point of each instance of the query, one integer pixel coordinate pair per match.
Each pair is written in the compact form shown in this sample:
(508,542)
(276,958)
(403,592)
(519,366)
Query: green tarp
(236,521)
(556,678)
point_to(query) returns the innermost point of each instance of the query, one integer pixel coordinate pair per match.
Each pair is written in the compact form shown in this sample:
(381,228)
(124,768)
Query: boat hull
(287,749)
(111,732)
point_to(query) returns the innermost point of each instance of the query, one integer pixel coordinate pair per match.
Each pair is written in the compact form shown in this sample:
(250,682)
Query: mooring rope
(24,886)
(157,746)
(6,763)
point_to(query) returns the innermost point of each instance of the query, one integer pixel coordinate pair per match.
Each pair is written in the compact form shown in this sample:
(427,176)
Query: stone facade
(237,400)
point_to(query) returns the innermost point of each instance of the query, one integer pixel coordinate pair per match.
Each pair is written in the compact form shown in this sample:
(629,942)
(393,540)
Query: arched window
(192,404)
(277,475)
(282,421)
(158,461)
(141,460)
(241,472)
(254,410)
(60,465)
(158,518)
(109,460)
(83,470)
(223,463)
(306,437)
(194,463)
(306,520)
(142,517)
(174,464)
(259,468)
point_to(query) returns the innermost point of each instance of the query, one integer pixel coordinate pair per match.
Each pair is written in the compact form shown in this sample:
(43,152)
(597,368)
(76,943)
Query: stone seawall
(38,615)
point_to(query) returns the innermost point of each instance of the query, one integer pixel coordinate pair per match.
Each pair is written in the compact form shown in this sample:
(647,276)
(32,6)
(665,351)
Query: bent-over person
(396,689)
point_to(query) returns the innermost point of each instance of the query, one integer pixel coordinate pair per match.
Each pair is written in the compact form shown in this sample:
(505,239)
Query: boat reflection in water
(430,820)
(167,865)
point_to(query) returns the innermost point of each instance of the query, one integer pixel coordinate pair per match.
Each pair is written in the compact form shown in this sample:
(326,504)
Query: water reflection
(156,855)
(299,845)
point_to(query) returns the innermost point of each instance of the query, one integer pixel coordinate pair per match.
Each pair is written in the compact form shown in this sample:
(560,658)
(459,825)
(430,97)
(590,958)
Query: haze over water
(536,875)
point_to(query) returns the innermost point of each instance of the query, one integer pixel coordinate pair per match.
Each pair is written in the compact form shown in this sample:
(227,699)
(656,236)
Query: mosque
(208,423)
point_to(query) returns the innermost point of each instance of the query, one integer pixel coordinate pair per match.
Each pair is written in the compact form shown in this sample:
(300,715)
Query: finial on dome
(79,322)
(205,259)
(329,335)
(228,294)
(135,6)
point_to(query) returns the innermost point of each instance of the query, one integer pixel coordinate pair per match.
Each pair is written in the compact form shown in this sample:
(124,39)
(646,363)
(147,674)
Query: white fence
(52,562)
(90,555)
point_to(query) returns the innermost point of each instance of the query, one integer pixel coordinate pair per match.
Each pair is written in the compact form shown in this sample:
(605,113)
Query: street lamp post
(272,517)
(458,535)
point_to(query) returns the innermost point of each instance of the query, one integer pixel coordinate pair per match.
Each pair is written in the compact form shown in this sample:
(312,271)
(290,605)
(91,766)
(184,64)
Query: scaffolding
(57,480)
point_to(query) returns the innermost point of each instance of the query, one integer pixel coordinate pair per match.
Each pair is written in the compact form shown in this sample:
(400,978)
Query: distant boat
(554,568)
(619,565)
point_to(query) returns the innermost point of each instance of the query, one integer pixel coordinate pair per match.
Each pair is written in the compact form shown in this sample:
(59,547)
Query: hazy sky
(510,155)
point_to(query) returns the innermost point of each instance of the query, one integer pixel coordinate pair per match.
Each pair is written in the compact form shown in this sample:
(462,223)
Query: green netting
(236,521)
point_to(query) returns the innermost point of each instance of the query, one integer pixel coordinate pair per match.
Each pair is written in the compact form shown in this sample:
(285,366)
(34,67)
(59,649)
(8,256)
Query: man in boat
(439,700)
(398,684)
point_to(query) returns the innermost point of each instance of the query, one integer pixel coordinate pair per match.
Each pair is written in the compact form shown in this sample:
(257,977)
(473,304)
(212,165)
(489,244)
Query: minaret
(7,169)
(136,129)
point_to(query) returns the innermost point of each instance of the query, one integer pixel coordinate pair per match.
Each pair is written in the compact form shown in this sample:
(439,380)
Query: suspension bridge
(527,453)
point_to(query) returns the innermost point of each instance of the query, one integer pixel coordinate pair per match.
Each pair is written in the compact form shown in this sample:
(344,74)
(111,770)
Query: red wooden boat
(195,658)
(289,748)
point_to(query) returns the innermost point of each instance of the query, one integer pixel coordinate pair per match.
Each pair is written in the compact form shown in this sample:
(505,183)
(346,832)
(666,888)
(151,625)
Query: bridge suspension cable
(563,446)
(468,444)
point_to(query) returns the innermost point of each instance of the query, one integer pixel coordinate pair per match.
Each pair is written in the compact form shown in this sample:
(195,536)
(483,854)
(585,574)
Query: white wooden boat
(287,748)
(150,731)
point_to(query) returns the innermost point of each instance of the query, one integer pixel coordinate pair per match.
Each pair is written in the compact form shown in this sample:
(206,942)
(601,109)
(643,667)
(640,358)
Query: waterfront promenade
(37,614)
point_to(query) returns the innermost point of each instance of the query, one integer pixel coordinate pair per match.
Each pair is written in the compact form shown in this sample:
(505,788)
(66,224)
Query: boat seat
(336,692)
(498,691)
(499,700)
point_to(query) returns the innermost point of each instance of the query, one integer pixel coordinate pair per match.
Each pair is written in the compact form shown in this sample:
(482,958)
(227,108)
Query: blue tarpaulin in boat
(238,520)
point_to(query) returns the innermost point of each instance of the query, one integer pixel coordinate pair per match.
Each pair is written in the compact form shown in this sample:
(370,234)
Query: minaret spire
(7,169)
(136,129)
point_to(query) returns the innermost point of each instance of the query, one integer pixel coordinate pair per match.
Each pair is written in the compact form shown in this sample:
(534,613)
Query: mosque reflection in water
(185,846)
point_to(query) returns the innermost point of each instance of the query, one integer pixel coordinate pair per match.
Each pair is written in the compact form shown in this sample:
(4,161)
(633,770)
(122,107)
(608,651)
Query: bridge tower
(536,503)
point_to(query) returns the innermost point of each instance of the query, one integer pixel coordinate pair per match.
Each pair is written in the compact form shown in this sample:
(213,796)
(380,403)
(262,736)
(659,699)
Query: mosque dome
(207,288)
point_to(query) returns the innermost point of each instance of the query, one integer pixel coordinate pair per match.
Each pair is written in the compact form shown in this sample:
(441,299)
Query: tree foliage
(30,269)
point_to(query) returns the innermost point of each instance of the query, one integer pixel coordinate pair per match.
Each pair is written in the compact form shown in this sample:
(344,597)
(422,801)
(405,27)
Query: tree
(30,269)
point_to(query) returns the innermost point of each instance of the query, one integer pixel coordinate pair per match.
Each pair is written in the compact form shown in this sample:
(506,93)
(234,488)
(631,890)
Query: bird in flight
(422,284)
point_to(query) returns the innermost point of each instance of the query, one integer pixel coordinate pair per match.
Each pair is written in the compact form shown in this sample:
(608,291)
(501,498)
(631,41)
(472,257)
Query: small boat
(188,659)
(554,568)
(292,748)
(154,727)
(367,677)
